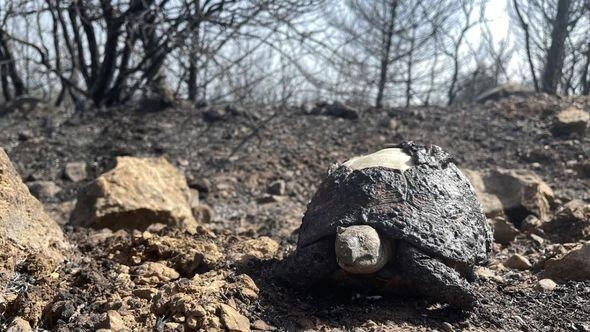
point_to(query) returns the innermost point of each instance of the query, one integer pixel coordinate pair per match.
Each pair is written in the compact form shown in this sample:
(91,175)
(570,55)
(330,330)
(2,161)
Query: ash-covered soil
(231,161)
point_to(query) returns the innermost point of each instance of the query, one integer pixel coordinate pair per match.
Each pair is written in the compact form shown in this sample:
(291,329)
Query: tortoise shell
(430,205)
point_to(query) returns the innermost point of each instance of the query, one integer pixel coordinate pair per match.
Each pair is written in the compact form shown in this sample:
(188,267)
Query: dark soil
(231,162)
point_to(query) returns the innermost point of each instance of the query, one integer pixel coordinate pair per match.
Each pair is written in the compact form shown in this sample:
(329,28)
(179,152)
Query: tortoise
(403,219)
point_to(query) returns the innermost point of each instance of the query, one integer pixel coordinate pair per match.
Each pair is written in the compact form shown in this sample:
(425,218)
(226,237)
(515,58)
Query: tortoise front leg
(310,265)
(434,279)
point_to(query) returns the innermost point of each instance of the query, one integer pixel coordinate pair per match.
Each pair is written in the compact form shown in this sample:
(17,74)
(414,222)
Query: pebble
(518,262)
(546,284)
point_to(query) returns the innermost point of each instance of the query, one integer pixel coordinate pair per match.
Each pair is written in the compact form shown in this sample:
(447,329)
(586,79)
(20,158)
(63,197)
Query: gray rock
(44,190)
(76,171)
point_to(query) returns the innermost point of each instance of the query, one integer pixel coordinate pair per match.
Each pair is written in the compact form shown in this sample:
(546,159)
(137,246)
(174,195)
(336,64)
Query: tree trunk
(584,79)
(17,82)
(527,40)
(555,56)
(387,38)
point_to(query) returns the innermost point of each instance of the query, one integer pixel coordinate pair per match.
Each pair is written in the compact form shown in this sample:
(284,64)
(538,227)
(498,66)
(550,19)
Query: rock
(113,321)
(266,199)
(25,135)
(503,91)
(518,262)
(76,171)
(154,273)
(537,239)
(233,320)
(199,298)
(44,190)
(531,224)
(145,293)
(571,222)
(138,192)
(203,213)
(492,207)
(546,285)
(504,231)
(392,124)
(484,273)
(583,169)
(18,324)
(214,114)
(521,193)
(341,110)
(26,232)
(574,265)
(571,120)
(277,187)
(262,326)
(194,200)
(262,248)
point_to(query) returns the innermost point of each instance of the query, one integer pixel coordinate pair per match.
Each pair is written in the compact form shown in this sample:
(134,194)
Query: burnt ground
(231,161)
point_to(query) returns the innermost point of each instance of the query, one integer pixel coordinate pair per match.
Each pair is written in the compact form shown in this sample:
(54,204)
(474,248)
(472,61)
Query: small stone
(113,321)
(537,239)
(214,114)
(546,285)
(531,224)
(392,124)
(262,326)
(155,273)
(76,171)
(448,327)
(203,213)
(271,199)
(145,293)
(518,262)
(277,187)
(18,324)
(233,320)
(340,110)
(504,230)
(43,190)
(262,248)
(484,273)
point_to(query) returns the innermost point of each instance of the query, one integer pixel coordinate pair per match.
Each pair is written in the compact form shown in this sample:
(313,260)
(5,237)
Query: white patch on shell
(394,158)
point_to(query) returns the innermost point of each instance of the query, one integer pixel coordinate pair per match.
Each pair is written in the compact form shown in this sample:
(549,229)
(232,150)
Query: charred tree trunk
(384,65)
(585,80)
(555,56)
(527,41)
(10,66)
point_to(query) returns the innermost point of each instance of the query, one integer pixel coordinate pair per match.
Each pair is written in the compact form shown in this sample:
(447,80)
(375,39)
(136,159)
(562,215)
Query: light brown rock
(571,120)
(138,192)
(25,229)
(492,207)
(518,262)
(154,273)
(233,320)
(574,265)
(18,324)
(261,248)
(521,192)
(113,321)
